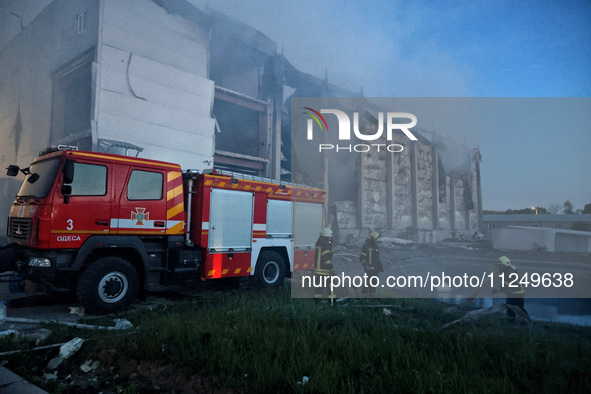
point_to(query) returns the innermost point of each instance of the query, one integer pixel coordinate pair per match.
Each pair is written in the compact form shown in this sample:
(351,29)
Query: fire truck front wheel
(270,269)
(107,284)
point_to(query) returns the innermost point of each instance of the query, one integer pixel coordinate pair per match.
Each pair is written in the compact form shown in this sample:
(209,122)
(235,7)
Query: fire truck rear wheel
(270,269)
(107,284)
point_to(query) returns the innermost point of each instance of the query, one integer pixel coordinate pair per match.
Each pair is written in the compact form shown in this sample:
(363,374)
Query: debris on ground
(6,333)
(478,313)
(120,324)
(50,376)
(38,335)
(70,348)
(55,362)
(77,310)
(395,241)
(89,365)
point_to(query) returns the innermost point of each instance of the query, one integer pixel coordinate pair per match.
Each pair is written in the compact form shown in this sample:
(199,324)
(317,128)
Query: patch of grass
(267,342)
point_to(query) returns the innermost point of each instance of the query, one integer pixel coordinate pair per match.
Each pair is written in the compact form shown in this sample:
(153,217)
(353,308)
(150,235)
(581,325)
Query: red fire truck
(112,227)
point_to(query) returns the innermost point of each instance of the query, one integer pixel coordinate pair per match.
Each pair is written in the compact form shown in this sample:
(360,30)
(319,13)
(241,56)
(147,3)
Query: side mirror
(68,171)
(33,178)
(66,191)
(12,170)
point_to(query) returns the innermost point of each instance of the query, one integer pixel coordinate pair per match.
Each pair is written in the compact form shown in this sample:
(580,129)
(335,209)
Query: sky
(535,152)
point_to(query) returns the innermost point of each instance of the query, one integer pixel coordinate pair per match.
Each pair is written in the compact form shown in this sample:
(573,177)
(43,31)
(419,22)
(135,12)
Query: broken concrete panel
(55,362)
(474,226)
(444,209)
(373,196)
(401,189)
(375,204)
(50,376)
(68,349)
(347,214)
(425,208)
(89,365)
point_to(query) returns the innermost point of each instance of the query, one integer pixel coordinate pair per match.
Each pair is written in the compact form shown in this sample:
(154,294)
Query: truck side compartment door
(230,220)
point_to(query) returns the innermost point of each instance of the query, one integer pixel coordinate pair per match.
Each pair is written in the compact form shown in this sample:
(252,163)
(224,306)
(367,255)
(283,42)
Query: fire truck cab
(112,227)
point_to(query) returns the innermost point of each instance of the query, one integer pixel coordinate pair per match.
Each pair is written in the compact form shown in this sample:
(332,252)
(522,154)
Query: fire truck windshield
(39,179)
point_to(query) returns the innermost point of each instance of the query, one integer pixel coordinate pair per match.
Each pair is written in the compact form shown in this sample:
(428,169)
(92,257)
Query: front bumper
(35,272)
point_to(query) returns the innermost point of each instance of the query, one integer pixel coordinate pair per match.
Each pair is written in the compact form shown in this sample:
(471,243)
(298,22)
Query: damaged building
(426,193)
(424,190)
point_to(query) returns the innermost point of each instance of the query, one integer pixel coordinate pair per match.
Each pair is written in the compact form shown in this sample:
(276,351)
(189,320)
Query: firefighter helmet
(374,234)
(504,261)
(326,232)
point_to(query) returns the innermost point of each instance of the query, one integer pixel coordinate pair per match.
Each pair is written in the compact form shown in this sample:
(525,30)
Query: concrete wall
(28,62)
(400,187)
(425,198)
(579,222)
(373,189)
(535,238)
(401,192)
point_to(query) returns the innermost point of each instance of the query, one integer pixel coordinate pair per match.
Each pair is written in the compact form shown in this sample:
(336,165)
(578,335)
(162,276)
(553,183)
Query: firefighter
(370,259)
(511,286)
(323,260)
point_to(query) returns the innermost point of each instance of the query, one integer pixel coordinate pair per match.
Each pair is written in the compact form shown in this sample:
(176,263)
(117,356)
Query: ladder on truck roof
(248,177)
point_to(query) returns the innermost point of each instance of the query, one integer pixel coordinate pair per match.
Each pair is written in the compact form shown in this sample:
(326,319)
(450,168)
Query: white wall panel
(147,70)
(154,113)
(115,37)
(154,31)
(142,133)
(113,81)
(154,90)
(115,59)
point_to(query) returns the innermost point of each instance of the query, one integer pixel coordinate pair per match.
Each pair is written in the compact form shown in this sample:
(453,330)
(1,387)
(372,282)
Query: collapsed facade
(424,190)
(429,191)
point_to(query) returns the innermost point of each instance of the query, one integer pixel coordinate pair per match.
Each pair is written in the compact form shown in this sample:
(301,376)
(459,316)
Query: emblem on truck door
(140,215)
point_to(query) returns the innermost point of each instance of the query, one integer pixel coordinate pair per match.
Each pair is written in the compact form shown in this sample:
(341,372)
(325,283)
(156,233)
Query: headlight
(39,262)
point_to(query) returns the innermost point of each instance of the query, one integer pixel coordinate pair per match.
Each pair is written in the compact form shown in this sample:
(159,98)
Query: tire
(108,284)
(270,270)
